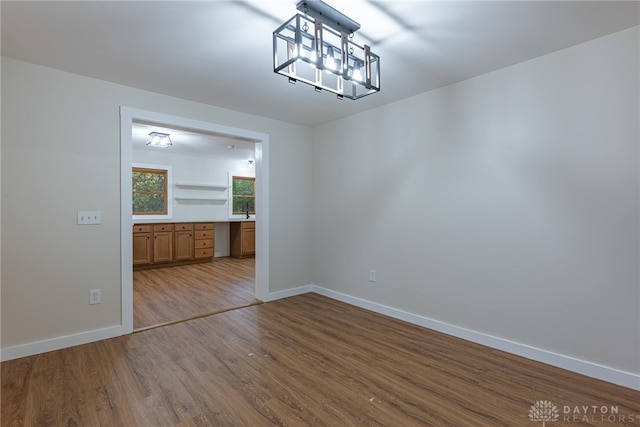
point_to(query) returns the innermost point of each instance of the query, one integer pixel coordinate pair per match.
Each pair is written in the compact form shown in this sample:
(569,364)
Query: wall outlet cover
(95,297)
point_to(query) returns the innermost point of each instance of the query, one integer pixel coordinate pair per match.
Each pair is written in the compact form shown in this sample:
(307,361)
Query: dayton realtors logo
(545,411)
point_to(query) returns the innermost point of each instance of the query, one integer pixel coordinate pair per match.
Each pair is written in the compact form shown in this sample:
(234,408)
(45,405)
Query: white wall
(60,154)
(506,204)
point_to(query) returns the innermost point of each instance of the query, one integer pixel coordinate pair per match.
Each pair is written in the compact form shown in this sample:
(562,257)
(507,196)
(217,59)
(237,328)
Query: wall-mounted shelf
(206,193)
(187,184)
(201,199)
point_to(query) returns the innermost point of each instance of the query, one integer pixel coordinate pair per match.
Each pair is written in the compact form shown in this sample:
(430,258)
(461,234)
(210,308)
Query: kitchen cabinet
(169,244)
(183,242)
(162,243)
(142,253)
(204,240)
(243,239)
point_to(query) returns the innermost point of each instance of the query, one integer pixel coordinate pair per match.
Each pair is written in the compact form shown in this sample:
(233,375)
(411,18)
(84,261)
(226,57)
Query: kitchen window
(244,195)
(151,191)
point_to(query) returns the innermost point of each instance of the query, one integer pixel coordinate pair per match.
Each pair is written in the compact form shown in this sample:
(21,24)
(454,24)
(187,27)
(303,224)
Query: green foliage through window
(244,195)
(149,191)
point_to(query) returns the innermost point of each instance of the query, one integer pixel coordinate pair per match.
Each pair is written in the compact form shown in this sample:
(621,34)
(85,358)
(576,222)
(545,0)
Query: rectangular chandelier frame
(307,50)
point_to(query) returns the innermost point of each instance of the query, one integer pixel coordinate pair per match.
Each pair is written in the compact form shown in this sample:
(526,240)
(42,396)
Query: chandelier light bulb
(356,74)
(330,62)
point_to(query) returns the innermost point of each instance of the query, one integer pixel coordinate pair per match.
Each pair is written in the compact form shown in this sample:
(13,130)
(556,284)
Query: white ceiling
(193,143)
(220,52)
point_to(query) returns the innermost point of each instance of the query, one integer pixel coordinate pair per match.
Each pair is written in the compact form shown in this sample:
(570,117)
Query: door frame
(127,116)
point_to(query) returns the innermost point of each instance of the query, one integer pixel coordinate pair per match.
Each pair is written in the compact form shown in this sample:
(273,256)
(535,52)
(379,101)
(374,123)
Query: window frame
(232,196)
(168,171)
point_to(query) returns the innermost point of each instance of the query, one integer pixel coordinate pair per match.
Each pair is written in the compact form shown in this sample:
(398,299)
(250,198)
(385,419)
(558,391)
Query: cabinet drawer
(162,227)
(183,226)
(204,234)
(205,243)
(248,224)
(203,225)
(204,253)
(141,228)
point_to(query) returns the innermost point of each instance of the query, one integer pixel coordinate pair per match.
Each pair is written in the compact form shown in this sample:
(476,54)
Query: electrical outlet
(94,297)
(372,275)
(89,217)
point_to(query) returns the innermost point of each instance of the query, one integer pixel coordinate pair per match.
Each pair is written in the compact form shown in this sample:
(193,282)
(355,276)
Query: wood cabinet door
(141,248)
(248,241)
(183,245)
(163,246)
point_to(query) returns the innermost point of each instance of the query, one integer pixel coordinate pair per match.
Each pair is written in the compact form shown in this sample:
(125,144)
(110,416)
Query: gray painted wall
(506,204)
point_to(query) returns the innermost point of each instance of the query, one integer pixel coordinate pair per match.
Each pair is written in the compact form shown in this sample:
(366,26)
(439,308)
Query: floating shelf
(201,199)
(202,185)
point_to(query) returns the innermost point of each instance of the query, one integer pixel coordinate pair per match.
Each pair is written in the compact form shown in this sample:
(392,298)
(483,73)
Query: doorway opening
(173,294)
(250,275)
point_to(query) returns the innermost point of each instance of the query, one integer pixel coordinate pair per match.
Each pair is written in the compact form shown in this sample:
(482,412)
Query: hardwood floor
(301,361)
(172,294)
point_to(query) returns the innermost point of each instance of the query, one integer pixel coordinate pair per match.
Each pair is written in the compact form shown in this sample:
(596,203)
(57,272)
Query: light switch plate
(89,217)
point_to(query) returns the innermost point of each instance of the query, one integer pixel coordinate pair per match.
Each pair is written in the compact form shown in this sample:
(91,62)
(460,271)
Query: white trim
(126,220)
(289,293)
(262,218)
(58,343)
(590,369)
(127,116)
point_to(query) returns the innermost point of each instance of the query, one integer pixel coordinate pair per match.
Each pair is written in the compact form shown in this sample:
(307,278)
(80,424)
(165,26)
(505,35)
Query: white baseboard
(58,343)
(289,293)
(44,346)
(605,373)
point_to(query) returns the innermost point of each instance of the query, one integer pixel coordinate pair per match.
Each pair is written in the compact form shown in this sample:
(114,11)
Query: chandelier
(317,48)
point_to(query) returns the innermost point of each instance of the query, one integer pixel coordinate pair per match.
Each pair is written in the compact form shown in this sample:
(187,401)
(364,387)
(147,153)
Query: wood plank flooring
(172,294)
(300,361)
